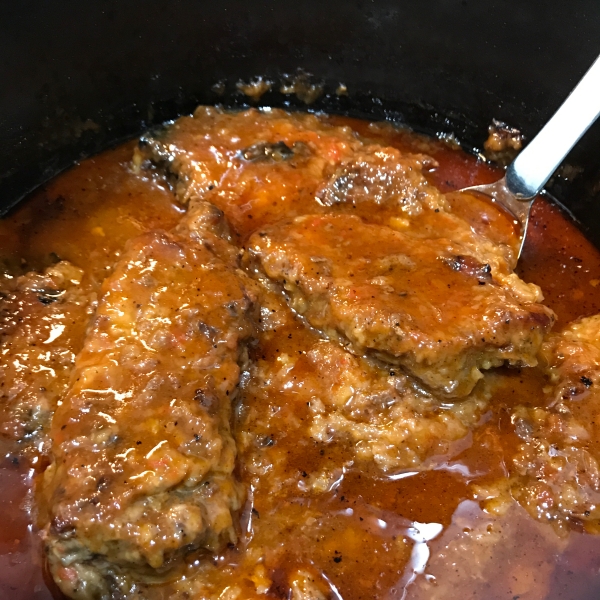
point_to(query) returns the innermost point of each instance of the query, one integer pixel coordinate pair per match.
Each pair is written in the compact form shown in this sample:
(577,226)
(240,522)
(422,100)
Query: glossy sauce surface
(413,535)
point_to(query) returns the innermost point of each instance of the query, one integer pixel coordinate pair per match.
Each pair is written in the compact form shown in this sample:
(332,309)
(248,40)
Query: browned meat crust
(142,451)
(557,470)
(419,303)
(43,317)
(259,164)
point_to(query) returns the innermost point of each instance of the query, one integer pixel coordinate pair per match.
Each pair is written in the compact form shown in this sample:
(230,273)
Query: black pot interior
(77,77)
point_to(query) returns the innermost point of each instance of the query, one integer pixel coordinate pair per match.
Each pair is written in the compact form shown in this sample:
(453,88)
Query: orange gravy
(85,216)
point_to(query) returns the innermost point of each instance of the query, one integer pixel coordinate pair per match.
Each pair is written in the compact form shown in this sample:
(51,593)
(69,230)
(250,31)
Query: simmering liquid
(368,535)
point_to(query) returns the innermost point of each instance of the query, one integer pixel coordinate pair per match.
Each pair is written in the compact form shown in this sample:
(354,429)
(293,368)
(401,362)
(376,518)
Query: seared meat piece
(385,186)
(260,165)
(142,451)
(423,304)
(43,317)
(557,468)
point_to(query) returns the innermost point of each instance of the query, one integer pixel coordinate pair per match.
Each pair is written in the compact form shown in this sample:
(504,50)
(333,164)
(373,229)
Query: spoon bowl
(499,193)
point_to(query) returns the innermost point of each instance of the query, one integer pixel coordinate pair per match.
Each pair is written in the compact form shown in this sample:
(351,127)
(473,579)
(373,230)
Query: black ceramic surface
(76,77)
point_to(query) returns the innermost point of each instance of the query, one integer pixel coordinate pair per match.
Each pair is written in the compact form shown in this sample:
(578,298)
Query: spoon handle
(528,173)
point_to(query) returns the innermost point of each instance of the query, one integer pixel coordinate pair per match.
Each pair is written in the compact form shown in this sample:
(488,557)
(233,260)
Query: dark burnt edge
(134,122)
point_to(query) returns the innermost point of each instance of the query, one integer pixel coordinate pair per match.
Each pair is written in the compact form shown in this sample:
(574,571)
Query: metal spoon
(529,172)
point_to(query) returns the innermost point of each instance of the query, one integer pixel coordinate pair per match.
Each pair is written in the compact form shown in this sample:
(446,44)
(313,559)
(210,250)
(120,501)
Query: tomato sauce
(369,522)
